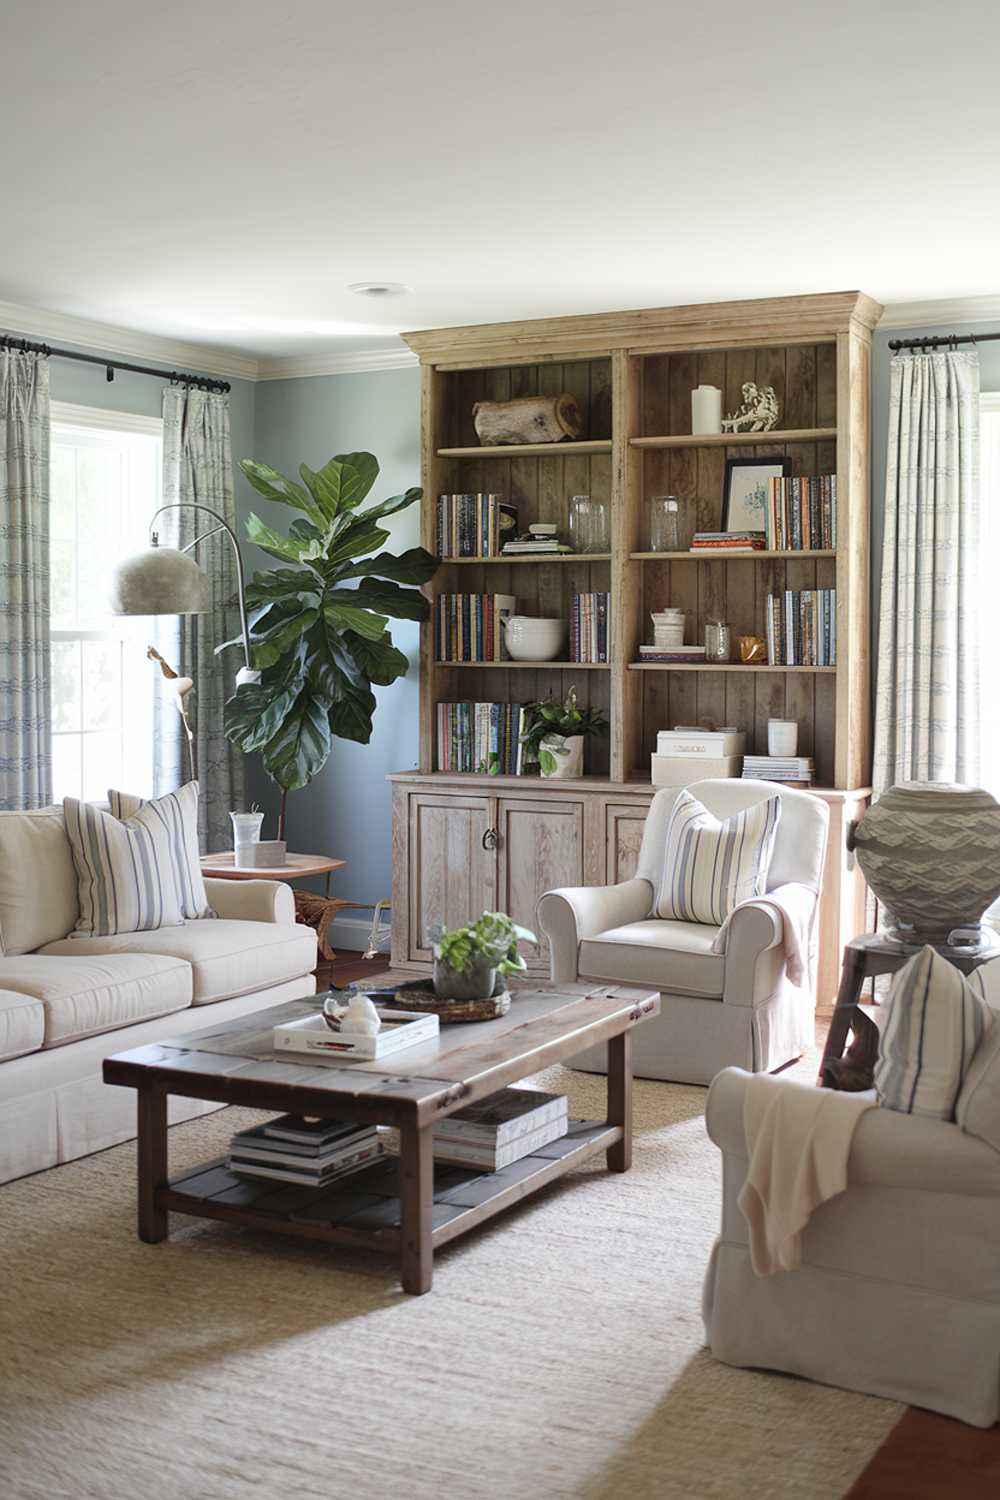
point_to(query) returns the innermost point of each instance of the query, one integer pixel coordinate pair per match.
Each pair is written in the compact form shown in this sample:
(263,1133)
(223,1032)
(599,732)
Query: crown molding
(108,338)
(941,313)
(359,361)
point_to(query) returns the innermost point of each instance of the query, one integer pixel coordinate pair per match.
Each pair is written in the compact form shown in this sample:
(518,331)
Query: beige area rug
(559,1353)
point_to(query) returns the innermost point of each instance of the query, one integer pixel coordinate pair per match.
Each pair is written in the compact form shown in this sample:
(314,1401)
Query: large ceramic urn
(931,853)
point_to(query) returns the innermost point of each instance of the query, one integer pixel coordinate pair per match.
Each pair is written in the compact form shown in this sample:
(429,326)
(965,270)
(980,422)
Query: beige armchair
(737,1007)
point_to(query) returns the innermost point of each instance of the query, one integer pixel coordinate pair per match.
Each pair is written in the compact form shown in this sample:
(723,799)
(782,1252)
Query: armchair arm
(782,921)
(251,900)
(570,915)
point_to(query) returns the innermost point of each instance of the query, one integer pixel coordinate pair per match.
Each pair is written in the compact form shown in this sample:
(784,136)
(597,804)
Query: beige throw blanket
(794,906)
(799,1139)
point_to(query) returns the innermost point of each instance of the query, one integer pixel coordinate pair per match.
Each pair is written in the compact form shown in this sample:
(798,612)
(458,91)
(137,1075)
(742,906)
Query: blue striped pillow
(178,811)
(936,1021)
(124,871)
(711,865)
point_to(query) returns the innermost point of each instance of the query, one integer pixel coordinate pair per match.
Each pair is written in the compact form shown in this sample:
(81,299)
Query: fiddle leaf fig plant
(319,622)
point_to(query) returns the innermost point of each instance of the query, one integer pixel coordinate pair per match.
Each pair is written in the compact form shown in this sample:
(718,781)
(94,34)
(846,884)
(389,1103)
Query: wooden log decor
(528,419)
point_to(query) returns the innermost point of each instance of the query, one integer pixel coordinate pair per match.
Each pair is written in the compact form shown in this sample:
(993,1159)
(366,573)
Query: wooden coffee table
(407,1205)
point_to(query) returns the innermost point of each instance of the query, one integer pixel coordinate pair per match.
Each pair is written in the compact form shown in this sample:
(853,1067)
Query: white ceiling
(219,173)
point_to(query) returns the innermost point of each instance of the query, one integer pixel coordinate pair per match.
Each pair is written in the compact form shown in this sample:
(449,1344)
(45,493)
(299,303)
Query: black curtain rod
(952,339)
(176,377)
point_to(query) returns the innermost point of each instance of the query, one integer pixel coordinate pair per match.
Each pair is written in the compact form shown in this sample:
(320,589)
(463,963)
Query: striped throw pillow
(711,865)
(936,1022)
(178,811)
(124,871)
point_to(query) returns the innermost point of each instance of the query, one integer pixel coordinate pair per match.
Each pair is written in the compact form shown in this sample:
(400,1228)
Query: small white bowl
(530,639)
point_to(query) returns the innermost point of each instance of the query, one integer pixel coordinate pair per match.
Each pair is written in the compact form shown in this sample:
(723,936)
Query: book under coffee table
(406,1205)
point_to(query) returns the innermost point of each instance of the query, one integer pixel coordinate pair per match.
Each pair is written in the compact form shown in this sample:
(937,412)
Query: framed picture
(744,498)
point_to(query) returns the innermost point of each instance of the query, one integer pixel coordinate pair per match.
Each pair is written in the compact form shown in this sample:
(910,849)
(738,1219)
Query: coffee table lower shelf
(366,1211)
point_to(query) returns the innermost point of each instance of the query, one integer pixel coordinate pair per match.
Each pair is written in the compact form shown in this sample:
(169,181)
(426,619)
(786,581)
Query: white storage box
(708,743)
(681,770)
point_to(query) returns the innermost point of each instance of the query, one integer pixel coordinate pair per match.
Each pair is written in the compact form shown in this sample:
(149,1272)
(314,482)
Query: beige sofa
(67,1003)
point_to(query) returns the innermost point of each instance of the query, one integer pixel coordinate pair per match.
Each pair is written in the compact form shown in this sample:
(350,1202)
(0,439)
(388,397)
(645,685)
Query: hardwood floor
(925,1457)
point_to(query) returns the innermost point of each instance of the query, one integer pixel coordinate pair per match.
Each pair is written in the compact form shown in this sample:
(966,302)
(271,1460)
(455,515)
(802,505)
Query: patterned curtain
(25,681)
(198,465)
(927,696)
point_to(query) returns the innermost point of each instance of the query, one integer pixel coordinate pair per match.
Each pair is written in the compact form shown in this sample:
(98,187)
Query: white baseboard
(353,933)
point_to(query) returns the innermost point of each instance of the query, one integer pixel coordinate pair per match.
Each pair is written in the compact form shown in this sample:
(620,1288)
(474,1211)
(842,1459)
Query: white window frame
(138,678)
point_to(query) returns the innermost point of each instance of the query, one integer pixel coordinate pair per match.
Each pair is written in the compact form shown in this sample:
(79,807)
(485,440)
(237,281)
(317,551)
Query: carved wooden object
(528,419)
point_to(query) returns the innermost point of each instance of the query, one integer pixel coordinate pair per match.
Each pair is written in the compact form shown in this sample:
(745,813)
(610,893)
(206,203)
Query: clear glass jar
(718,641)
(664,524)
(588,524)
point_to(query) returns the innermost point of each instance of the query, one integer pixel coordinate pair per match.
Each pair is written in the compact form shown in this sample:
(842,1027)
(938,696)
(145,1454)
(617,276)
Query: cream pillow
(178,812)
(711,865)
(977,1108)
(125,871)
(38,902)
(936,1023)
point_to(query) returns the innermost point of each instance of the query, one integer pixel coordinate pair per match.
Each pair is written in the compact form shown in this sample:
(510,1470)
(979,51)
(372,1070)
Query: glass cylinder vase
(718,642)
(664,524)
(588,524)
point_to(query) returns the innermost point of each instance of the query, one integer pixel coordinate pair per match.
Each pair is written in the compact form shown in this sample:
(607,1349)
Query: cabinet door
(624,824)
(452,862)
(541,846)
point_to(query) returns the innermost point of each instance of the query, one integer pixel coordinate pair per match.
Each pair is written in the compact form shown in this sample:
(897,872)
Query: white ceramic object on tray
(530,639)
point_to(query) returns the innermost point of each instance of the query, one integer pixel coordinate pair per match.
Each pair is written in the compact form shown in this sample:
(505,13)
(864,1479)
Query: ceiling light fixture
(379,288)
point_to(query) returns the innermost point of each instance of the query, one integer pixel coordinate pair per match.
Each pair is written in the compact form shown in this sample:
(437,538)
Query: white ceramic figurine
(359,1016)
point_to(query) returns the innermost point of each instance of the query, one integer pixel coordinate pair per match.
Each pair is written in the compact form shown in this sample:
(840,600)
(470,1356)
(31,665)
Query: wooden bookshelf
(632,375)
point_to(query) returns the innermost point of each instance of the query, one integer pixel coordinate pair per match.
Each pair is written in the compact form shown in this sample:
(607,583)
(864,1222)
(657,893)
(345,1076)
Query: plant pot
(567,752)
(266,854)
(475,983)
(931,853)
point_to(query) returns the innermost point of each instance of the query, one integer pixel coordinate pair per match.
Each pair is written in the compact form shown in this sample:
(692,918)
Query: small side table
(297,867)
(867,957)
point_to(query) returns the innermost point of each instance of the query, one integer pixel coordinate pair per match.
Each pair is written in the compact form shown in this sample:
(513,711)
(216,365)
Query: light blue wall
(345,811)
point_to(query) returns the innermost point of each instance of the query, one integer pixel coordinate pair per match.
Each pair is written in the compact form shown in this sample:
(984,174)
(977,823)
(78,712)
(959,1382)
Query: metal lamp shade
(160,581)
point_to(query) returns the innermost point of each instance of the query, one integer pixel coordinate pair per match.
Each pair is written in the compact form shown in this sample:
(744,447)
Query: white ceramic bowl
(530,639)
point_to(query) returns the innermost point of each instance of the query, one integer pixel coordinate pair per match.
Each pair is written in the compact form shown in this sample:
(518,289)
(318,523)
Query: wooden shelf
(737,439)
(715,666)
(532,666)
(534,557)
(529,450)
(708,556)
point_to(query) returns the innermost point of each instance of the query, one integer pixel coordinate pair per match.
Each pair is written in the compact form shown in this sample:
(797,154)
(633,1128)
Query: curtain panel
(198,466)
(25,678)
(927,694)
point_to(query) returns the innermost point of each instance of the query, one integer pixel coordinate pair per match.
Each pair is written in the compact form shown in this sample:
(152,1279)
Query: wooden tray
(422,997)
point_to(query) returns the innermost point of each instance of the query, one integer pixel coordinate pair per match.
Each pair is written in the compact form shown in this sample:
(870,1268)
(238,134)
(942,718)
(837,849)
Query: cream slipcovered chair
(737,1007)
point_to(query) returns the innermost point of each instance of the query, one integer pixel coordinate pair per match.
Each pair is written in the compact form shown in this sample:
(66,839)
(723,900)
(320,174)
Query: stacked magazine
(501,1129)
(314,1153)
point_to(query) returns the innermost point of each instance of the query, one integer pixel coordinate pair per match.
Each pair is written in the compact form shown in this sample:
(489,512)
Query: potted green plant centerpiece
(472,962)
(555,734)
(319,622)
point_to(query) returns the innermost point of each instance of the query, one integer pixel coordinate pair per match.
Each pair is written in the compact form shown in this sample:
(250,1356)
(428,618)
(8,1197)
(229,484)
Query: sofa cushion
(84,995)
(670,955)
(179,814)
(22,1024)
(977,1108)
(710,864)
(38,901)
(125,871)
(228,958)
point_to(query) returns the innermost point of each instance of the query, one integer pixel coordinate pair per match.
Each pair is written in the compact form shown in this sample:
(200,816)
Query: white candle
(706,409)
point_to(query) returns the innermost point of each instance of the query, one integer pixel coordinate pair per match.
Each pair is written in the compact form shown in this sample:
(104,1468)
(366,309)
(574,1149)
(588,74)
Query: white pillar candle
(706,409)
(782,737)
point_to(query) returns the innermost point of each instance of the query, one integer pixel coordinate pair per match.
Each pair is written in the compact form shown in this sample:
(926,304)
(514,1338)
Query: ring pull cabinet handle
(490,838)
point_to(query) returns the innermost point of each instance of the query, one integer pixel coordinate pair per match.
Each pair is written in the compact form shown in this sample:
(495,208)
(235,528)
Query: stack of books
(801,514)
(501,1129)
(473,525)
(314,1153)
(484,737)
(588,627)
(536,546)
(684,755)
(671,653)
(790,770)
(728,541)
(467,627)
(802,628)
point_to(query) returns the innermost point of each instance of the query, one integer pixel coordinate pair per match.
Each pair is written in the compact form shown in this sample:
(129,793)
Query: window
(105,486)
(989,658)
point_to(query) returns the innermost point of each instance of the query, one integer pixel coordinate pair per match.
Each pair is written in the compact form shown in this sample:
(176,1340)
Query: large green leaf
(274,486)
(354,541)
(279,583)
(269,648)
(350,617)
(301,746)
(255,713)
(381,661)
(391,506)
(351,718)
(415,566)
(360,473)
(390,599)
(272,542)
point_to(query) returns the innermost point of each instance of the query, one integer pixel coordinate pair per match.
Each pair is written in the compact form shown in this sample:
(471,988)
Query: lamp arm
(223,525)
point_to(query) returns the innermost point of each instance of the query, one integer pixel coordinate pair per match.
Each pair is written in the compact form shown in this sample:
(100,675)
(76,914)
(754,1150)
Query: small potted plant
(555,735)
(472,962)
